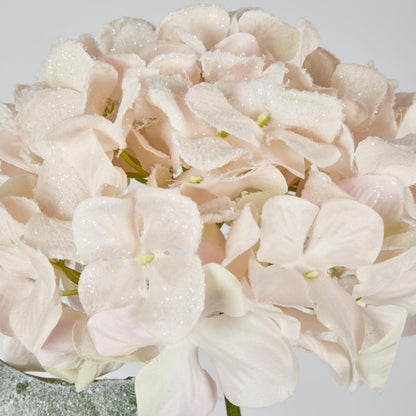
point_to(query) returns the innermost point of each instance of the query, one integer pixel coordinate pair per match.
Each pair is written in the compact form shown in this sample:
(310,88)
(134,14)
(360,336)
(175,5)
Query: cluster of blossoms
(221,183)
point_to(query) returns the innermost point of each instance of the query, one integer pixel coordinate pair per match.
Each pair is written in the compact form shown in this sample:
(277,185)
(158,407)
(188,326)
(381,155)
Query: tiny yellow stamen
(145,258)
(223,134)
(312,274)
(263,118)
(195,179)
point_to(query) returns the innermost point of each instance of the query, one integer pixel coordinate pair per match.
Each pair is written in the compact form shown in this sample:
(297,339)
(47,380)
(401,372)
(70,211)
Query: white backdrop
(356,31)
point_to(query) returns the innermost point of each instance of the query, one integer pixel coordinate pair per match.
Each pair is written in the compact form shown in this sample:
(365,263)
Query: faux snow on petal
(170,220)
(239,44)
(67,66)
(227,67)
(125,35)
(209,23)
(208,103)
(208,153)
(255,365)
(345,233)
(105,227)
(285,224)
(174,383)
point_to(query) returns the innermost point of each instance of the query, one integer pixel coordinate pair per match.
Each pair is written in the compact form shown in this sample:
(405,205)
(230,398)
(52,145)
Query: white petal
(285,224)
(125,35)
(345,233)
(223,292)
(67,66)
(175,383)
(208,153)
(384,326)
(170,221)
(208,103)
(273,286)
(52,236)
(332,305)
(391,282)
(104,227)
(15,354)
(255,365)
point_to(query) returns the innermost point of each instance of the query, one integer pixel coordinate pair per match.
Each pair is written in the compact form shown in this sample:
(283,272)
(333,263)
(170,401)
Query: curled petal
(239,44)
(255,365)
(175,382)
(208,23)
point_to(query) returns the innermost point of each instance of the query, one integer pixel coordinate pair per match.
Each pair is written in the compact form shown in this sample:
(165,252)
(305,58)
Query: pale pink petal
(175,382)
(16,354)
(97,288)
(223,292)
(382,193)
(167,314)
(10,151)
(227,67)
(313,339)
(21,209)
(166,93)
(321,154)
(170,220)
(360,83)
(321,64)
(59,351)
(209,23)
(377,156)
(267,367)
(18,186)
(240,44)
(190,39)
(217,210)
(391,282)
(319,188)
(243,234)
(345,233)
(34,317)
(87,351)
(67,66)
(101,83)
(274,286)
(317,115)
(130,89)
(125,35)
(285,224)
(65,179)
(384,326)
(212,246)
(176,63)
(408,123)
(308,41)
(208,153)
(332,305)
(52,236)
(105,228)
(163,47)
(208,103)
(273,36)
(45,111)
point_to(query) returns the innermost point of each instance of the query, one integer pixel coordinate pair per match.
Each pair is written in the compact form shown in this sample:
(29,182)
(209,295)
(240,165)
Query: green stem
(133,162)
(69,292)
(137,176)
(72,274)
(232,410)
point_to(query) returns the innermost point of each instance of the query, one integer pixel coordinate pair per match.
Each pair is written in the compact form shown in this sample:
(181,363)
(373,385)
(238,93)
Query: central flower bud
(145,258)
(195,179)
(263,119)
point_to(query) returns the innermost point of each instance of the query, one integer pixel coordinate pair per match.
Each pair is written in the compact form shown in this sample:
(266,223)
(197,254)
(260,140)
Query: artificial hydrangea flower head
(221,183)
